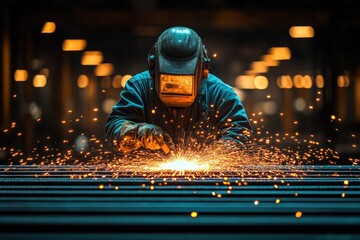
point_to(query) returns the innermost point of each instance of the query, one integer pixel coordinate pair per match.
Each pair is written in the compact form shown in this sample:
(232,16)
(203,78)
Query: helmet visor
(176,84)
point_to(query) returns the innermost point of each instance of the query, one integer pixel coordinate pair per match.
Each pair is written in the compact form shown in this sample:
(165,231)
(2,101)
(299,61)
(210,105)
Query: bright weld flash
(182,164)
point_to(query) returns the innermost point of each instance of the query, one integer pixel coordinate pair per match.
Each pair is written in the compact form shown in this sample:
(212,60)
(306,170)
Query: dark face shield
(177,90)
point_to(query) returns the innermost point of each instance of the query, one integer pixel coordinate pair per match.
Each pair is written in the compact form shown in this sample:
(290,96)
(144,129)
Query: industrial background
(294,64)
(50,91)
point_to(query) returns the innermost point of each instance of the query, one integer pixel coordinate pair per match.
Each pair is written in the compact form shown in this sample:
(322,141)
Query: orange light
(104,69)
(343,81)
(301,32)
(74,44)
(284,81)
(320,81)
(269,60)
(20,75)
(83,81)
(261,82)
(259,67)
(245,82)
(92,58)
(280,53)
(116,81)
(39,81)
(49,27)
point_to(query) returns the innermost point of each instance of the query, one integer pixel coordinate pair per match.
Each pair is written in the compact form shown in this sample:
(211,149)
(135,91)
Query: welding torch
(167,148)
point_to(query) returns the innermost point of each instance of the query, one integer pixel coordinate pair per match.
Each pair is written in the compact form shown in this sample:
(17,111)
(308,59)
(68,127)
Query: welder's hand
(153,137)
(135,135)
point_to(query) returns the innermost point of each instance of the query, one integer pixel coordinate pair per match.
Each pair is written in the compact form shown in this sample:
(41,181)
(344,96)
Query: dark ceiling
(240,30)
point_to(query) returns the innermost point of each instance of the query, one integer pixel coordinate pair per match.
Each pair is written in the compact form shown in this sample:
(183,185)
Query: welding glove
(135,135)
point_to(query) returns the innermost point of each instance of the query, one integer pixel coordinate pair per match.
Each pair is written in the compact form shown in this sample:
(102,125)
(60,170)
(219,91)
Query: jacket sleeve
(123,121)
(232,121)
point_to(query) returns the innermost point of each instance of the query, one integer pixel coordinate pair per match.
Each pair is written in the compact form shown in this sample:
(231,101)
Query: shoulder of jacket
(214,81)
(142,76)
(142,79)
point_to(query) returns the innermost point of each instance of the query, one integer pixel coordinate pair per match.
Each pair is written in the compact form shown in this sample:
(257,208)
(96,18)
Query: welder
(176,99)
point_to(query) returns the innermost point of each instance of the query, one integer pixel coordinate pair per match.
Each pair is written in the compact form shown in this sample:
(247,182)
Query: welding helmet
(178,63)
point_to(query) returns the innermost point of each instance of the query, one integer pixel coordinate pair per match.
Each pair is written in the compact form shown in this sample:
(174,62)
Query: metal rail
(297,202)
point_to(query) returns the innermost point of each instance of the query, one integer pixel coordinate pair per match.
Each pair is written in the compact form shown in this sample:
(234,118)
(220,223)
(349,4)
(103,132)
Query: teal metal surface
(301,202)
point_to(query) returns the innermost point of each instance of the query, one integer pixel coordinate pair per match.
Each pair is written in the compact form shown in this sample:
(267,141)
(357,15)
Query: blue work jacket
(217,112)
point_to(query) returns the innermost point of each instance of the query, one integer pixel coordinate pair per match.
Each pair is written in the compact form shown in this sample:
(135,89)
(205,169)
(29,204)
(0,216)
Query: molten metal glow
(182,164)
